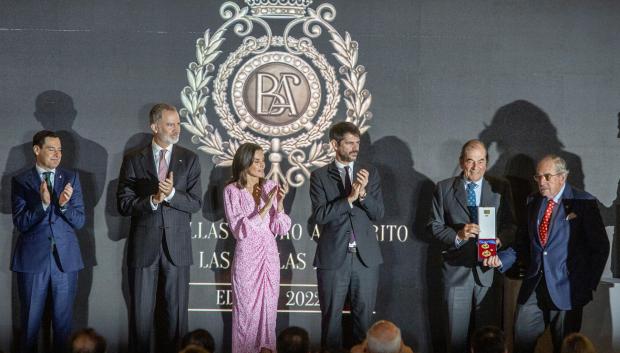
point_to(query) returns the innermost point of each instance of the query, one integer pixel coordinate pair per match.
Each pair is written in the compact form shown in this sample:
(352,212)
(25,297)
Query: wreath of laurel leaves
(195,97)
(356,97)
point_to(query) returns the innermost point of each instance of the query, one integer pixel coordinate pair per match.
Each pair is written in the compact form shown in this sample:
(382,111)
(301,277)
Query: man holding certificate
(454,221)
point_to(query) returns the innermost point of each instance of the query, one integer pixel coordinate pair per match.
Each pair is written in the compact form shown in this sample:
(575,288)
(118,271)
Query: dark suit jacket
(336,219)
(449,214)
(37,226)
(575,255)
(137,182)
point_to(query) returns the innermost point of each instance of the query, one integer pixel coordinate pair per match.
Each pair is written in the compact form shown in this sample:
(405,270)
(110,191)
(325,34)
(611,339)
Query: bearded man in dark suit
(159,188)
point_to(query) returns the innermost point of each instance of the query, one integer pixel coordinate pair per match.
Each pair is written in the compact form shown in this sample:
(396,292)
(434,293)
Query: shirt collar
(478,183)
(41,170)
(342,165)
(156,148)
(558,196)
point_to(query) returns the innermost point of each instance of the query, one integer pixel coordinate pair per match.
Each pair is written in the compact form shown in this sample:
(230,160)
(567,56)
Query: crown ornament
(278,8)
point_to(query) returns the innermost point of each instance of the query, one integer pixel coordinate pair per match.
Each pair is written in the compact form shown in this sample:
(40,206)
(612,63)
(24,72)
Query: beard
(172,139)
(347,157)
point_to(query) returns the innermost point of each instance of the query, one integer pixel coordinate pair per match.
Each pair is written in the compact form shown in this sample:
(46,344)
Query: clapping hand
(361,178)
(65,196)
(269,202)
(282,191)
(46,198)
(164,189)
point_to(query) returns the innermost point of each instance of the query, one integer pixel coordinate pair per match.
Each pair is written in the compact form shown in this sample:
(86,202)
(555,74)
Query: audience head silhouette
(488,339)
(293,340)
(199,338)
(88,341)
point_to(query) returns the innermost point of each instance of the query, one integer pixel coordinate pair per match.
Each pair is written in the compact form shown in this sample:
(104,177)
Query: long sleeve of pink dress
(255,269)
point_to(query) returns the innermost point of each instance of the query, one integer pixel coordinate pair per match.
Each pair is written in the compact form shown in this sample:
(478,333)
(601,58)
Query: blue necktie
(471,202)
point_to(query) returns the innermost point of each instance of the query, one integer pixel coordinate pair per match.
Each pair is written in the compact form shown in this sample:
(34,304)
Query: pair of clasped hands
(358,188)
(164,189)
(471,230)
(279,192)
(46,196)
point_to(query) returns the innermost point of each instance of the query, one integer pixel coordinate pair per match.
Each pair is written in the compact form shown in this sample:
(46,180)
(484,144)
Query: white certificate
(486,221)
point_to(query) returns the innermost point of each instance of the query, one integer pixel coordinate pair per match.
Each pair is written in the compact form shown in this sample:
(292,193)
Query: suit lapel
(533,211)
(334,176)
(59,182)
(560,214)
(459,193)
(148,161)
(34,179)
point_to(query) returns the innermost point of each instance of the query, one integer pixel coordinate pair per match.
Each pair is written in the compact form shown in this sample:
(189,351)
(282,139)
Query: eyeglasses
(546,176)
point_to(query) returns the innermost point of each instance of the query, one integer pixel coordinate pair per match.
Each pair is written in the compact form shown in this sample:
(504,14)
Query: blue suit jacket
(575,255)
(37,226)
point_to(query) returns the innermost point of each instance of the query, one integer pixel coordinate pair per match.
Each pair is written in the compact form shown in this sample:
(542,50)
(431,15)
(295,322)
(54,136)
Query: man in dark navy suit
(569,249)
(47,208)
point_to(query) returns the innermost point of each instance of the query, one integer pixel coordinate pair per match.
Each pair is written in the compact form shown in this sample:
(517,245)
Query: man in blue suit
(568,250)
(47,208)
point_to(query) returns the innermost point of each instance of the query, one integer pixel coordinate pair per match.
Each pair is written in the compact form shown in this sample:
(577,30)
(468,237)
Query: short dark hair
(199,337)
(88,341)
(293,340)
(39,138)
(338,130)
(157,110)
(488,339)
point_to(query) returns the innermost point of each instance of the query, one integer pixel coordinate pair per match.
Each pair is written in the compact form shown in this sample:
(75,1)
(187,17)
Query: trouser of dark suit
(352,278)
(174,285)
(538,312)
(470,307)
(34,289)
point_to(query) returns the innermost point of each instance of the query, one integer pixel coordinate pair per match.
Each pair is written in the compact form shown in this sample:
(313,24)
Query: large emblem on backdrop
(277,91)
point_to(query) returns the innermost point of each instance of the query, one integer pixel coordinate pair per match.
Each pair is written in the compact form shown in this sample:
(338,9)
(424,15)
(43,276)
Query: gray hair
(381,344)
(558,162)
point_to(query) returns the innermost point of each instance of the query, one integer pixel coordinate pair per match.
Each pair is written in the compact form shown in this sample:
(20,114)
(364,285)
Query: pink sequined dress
(255,269)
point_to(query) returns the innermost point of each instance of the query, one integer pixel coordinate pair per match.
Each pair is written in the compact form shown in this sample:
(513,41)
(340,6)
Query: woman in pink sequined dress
(255,212)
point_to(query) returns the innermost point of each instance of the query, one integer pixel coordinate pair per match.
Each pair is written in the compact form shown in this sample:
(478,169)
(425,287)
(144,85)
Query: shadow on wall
(55,111)
(523,134)
(118,226)
(404,299)
(611,217)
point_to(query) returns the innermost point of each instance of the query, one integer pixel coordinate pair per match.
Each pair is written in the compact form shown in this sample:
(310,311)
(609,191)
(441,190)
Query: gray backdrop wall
(527,77)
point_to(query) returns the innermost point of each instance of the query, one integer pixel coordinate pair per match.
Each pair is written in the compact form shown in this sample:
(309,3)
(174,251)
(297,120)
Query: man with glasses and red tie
(568,252)
(472,299)
(159,188)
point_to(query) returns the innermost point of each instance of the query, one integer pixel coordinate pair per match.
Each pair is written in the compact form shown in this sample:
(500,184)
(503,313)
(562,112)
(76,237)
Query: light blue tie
(471,202)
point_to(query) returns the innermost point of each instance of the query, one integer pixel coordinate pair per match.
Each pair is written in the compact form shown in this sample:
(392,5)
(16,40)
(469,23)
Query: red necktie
(163,166)
(543,228)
